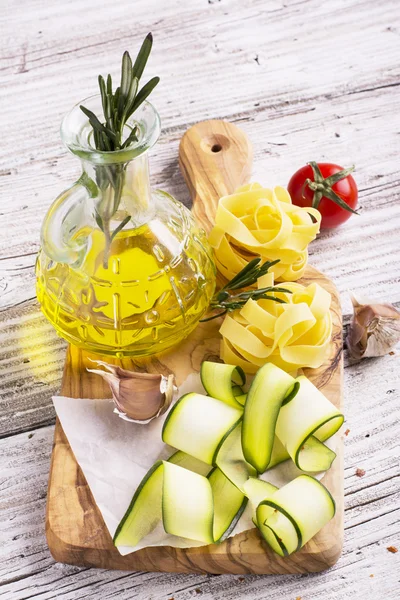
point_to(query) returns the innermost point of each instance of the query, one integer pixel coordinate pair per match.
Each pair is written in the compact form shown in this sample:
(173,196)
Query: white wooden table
(307,80)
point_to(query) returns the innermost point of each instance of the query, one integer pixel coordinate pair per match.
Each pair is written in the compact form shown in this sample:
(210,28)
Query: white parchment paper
(115,455)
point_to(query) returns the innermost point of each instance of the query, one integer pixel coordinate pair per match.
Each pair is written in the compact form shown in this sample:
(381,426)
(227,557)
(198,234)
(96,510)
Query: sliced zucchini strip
(144,511)
(198,425)
(278,455)
(264,400)
(257,490)
(241,399)
(240,395)
(190,462)
(229,504)
(310,452)
(187,504)
(192,506)
(314,456)
(221,381)
(309,413)
(290,394)
(231,461)
(302,508)
(277,528)
(237,390)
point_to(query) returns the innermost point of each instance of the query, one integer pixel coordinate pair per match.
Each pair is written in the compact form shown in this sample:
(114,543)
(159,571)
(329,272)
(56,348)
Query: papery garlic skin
(138,397)
(374,329)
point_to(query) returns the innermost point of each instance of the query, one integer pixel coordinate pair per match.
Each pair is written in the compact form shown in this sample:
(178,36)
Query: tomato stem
(322,187)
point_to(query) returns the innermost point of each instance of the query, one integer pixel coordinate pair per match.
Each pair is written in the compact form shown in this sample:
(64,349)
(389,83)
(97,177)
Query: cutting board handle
(215,158)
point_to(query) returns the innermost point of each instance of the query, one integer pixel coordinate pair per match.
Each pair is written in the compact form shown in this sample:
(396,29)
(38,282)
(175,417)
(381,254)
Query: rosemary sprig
(225,301)
(118,106)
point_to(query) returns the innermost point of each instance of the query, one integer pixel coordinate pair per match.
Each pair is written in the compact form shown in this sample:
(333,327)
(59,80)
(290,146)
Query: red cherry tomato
(314,182)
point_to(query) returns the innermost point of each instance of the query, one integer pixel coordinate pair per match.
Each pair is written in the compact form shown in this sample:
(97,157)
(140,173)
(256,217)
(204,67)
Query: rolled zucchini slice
(237,390)
(304,422)
(241,399)
(277,528)
(239,394)
(145,510)
(278,455)
(231,461)
(223,381)
(229,504)
(190,462)
(191,506)
(256,491)
(187,504)
(198,425)
(314,456)
(263,403)
(300,509)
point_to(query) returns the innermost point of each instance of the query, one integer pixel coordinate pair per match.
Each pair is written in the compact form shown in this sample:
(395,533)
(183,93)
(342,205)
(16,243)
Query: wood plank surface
(372,517)
(325,86)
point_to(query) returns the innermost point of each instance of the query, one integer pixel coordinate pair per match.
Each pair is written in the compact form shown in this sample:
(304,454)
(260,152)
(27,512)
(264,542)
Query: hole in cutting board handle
(215,143)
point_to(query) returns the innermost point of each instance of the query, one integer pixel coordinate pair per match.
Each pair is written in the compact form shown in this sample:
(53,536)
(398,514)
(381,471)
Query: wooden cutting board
(215,158)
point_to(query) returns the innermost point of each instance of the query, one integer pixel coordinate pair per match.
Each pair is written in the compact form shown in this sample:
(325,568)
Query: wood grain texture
(283,138)
(215,157)
(325,86)
(325,82)
(75,530)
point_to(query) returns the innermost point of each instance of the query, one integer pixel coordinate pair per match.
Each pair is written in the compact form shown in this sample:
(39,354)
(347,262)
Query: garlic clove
(139,397)
(374,329)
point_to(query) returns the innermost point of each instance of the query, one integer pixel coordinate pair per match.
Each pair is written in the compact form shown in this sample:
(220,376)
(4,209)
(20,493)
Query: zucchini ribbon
(225,440)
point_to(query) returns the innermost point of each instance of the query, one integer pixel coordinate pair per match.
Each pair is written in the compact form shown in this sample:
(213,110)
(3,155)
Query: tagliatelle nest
(291,335)
(259,222)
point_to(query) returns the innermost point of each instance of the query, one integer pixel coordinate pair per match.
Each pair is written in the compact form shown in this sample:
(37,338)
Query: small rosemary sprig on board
(118,106)
(225,301)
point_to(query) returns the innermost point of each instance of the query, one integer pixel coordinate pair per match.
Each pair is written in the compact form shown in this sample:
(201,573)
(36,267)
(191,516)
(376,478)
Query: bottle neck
(121,190)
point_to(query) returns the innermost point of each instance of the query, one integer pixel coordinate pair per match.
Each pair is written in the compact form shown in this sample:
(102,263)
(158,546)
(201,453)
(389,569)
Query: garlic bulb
(138,397)
(374,329)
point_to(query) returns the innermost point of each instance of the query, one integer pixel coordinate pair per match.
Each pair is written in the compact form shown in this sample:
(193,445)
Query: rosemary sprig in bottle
(225,301)
(118,106)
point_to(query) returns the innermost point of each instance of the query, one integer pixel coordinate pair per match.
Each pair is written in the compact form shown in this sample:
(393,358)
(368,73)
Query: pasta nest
(292,335)
(259,222)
